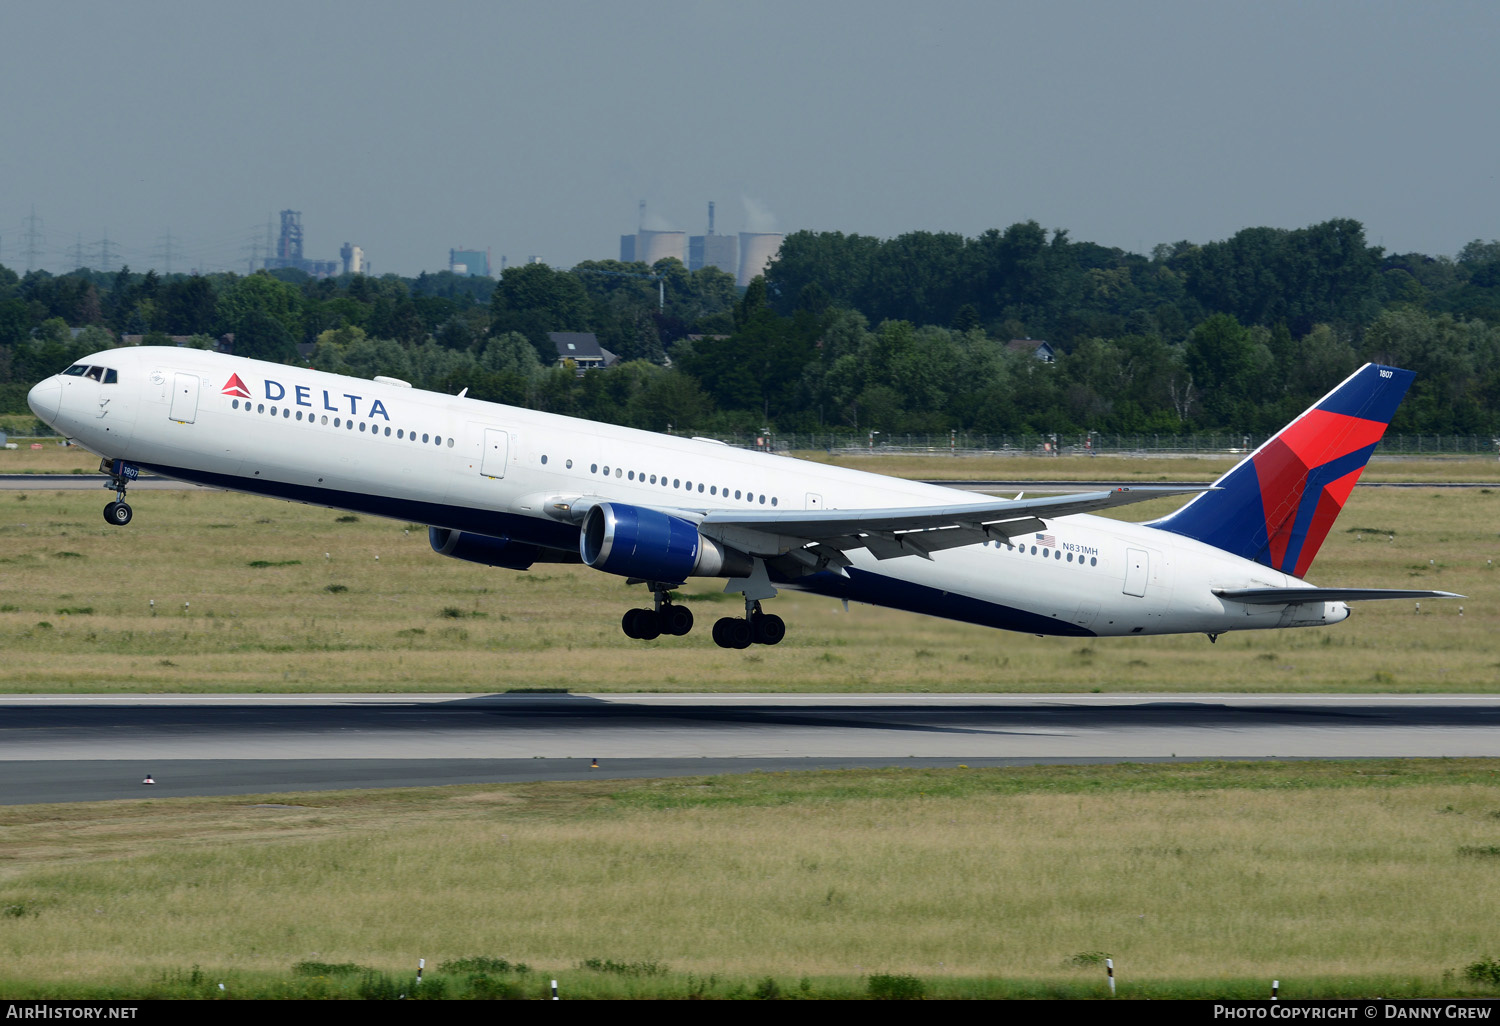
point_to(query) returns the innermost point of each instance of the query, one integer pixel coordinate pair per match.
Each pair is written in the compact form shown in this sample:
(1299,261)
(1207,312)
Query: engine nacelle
(482,548)
(636,542)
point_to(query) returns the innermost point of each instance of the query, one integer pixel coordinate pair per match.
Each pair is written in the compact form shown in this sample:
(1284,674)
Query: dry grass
(247,597)
(1336,870)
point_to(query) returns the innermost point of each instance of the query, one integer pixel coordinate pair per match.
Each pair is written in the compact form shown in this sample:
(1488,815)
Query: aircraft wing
(824,534)
(1283,596)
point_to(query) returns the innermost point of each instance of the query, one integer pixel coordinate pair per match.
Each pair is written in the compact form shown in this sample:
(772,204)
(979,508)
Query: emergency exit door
(496,453)
(184,398)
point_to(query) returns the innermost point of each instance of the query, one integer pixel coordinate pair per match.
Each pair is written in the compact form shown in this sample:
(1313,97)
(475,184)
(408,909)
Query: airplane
(511,488)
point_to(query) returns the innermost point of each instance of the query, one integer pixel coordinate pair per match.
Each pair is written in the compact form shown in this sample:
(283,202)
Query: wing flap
(851,528)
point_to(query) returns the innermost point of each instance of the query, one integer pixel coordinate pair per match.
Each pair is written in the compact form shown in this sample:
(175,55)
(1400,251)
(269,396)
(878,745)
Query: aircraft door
(1137,564)
(184,398)
(496,453)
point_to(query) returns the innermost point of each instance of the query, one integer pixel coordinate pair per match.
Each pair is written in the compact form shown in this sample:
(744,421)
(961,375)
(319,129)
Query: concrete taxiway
(69,748)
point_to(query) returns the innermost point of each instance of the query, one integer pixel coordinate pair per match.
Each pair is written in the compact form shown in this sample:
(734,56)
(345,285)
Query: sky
(536,128)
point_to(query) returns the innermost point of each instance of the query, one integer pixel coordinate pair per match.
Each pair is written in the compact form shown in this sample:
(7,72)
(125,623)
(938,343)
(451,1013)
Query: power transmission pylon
(33,237)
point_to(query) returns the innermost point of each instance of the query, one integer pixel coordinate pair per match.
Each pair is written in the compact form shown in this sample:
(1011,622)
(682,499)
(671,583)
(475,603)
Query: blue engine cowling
(481,548)
(633,541)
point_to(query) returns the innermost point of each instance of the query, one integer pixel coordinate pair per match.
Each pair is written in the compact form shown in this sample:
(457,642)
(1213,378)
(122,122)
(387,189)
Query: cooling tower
(653,246)
(757,250)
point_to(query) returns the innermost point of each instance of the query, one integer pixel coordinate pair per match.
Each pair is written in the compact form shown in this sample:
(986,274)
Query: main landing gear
(757,628)
(118,512)
(666,617)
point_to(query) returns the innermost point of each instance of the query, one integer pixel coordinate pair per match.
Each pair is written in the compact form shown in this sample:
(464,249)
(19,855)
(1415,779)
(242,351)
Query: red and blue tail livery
(1278,504)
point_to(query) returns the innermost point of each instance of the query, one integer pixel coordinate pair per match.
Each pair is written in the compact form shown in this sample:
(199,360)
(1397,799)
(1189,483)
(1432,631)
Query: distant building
(1036,347)
(627,249)
(583,348)
(472,262)
(721,251)
(652,246)
(354,259)
(757,250)
(289,250)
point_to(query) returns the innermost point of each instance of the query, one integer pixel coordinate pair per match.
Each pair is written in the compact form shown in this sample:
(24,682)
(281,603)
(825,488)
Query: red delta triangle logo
(236,387)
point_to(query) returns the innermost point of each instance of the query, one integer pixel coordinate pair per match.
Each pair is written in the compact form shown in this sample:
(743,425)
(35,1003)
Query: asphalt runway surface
(86,748)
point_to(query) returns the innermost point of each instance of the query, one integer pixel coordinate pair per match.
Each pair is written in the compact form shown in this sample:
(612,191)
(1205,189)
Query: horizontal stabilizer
(1286,596)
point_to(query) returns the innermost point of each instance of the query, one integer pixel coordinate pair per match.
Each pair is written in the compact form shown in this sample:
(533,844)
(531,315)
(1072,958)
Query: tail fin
(1277,505)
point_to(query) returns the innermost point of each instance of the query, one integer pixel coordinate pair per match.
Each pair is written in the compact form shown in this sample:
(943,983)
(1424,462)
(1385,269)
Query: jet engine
(633,541)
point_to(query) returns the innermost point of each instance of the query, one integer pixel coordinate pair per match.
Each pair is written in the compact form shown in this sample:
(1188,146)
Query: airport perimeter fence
(961,443)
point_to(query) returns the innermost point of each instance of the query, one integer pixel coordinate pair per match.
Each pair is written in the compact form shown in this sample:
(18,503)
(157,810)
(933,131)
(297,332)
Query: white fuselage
(390,450)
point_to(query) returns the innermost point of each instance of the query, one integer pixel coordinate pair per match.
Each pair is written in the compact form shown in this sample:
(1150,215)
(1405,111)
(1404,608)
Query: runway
(80,748)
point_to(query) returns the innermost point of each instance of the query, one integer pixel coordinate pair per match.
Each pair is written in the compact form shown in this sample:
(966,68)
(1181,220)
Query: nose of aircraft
(44,398)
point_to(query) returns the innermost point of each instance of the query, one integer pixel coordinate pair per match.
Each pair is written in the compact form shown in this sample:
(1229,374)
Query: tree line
(850,333)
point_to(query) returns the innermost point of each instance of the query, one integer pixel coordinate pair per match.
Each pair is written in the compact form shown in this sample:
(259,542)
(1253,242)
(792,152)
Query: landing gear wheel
(730,632)
(676,620)
(641,624)
(117,513)
(767,628)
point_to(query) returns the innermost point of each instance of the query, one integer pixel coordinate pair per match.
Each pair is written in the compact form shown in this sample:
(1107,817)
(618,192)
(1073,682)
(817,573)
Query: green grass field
(1202,880)
(254,594)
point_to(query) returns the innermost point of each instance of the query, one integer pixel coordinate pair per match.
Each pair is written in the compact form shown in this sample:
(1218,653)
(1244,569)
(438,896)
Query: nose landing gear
(120,473)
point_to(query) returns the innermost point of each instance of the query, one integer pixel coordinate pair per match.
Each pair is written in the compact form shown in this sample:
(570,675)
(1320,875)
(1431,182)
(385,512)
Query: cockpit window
(105,375)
